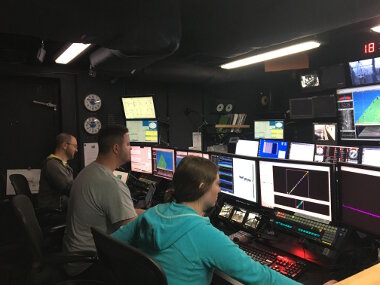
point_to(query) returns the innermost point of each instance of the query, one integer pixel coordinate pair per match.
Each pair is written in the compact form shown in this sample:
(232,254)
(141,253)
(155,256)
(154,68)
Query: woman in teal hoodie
(184,242)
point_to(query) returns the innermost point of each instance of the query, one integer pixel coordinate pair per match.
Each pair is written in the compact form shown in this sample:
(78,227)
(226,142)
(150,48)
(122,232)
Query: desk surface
(369,276)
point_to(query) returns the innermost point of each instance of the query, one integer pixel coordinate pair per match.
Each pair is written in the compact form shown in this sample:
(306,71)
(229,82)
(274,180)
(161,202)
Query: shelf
(232,126)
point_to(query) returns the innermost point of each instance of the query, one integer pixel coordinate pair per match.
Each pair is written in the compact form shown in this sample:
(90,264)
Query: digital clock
(371,47)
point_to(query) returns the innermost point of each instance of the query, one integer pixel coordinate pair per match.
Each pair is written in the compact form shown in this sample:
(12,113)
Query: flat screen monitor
(299,188)
(237,176)
(309,80)
(123,176)
(325,133)
(359,113)
(195,153)
(143,131)
(366,71)
(371,156)
(359,198)
(273,129)
(179,155)
(273,149)
(247,148)
(139,107)
(141,159)
(163,162)
(334,154)
(301,151)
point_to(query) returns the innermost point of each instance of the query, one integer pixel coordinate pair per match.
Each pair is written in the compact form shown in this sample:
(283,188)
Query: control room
(190,142)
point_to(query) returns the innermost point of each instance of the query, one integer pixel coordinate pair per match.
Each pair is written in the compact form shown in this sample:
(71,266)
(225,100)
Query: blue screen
(165,160)
(273,149)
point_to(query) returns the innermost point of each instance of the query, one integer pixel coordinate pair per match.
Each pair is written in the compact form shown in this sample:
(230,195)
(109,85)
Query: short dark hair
(62,138)
(191,172)
(110,136)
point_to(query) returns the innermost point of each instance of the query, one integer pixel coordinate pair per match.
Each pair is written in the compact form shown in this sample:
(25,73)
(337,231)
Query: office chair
(126,264)
(45,268)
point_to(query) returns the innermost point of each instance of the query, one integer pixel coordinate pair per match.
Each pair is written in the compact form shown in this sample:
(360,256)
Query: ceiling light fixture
(272,54)
(71,52)
(376,29)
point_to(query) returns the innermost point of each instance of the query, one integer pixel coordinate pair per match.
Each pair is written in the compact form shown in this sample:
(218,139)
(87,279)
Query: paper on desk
(90,151)
(32,175)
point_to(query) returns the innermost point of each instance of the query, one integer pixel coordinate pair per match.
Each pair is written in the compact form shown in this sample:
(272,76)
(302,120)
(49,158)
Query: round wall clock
(92,125)
(92,102)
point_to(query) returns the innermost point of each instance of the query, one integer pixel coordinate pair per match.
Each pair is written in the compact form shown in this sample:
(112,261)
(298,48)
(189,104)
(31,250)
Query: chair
(45,268)
(126,264)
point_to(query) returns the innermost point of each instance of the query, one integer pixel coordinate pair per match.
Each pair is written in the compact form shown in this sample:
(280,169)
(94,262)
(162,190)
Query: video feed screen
(366,71)
(325,133)
(273,149)
(334,154)
(247,148)
(226,210)
(238,216)
(144,131)
(252,221)
(141,159)
(371,156)
(309,80)
(273,129)
(163,162)
(359,113)
(301,151)
(360,205)
(299,188)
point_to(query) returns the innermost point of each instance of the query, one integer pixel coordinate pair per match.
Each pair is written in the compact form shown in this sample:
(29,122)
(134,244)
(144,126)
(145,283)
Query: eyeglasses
(73,144)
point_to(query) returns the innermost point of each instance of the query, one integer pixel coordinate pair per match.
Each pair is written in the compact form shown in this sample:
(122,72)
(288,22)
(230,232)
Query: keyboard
(317,231)
(285,265)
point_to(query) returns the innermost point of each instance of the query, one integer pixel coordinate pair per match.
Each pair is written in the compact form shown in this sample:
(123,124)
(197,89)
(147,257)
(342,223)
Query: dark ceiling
(176,40)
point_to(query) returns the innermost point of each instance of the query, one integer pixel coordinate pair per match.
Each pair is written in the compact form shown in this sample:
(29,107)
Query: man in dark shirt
(56,175)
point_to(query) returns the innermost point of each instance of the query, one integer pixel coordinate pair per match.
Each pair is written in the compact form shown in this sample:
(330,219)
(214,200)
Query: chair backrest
(20,184)
(25,212)
(127,264)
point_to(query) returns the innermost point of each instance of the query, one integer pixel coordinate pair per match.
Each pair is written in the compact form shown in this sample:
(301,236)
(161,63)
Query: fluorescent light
(376,29)
(272,54)
(71,52)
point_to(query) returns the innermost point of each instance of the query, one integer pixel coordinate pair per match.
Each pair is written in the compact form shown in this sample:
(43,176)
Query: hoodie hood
(163,225)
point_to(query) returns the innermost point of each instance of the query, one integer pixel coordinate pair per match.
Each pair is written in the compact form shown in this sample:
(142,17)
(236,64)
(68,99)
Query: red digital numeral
(371,47)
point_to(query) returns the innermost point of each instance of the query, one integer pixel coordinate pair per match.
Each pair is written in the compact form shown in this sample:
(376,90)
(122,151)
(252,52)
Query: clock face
(92,125)
(92,102)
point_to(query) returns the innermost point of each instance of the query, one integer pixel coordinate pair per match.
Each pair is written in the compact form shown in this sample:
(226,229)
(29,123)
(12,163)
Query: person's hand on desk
(330,282)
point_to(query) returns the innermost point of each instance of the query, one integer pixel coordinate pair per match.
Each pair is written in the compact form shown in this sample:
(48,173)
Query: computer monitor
(301,151)
(273,149)
(141,159)
(247,148)
(123,176)
(325,133)
(195,153)
(237,176)
(163,162)
(272,129)
(206,155)
(371,156)
(139,107)
(334,154)
(358,113)
(179,155)
(143,131)
(359,198)
(297,187)
(366,71)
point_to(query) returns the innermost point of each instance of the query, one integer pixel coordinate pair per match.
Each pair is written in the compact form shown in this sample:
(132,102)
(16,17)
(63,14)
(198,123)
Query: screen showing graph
(163,162)
(299,188)
(360,207)
(359,113)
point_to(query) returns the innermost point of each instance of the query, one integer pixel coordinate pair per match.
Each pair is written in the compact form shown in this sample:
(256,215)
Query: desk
(369,276)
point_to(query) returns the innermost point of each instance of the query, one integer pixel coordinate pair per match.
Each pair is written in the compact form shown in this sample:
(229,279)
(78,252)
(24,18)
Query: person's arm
(59,177)
(218,251)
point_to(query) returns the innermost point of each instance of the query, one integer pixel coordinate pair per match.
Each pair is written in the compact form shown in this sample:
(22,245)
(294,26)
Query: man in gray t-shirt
(98,199)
